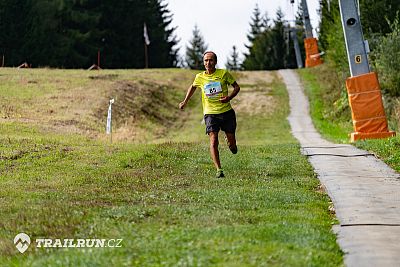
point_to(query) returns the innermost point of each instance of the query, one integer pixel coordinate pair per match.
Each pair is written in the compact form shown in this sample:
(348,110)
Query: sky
(225,23)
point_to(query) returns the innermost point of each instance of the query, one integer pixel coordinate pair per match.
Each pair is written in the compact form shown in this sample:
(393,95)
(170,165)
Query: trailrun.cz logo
(22,241)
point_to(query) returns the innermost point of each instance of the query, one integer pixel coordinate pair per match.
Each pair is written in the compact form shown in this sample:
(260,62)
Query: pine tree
(122,23)
(195,50)
(60,33)
(258,38)
(278,56)
(162,51)
(13,28)
(233,62)
(270,48)
(260,58)
(256,24)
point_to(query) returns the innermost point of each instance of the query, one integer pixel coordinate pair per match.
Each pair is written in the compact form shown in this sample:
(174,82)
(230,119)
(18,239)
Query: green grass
(162,198)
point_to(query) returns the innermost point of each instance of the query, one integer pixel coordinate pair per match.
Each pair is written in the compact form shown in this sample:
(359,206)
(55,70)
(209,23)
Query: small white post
(109,119)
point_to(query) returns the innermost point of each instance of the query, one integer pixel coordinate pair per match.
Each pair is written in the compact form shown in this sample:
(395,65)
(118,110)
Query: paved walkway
(364,190)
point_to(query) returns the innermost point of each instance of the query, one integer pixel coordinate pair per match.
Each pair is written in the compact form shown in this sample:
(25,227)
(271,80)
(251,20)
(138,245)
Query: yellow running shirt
(213,87)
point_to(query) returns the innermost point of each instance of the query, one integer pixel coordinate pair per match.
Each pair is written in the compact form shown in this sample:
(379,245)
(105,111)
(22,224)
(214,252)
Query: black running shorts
(225,121)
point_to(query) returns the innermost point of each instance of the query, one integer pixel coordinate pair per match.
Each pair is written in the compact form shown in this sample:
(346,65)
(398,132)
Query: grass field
(154,186)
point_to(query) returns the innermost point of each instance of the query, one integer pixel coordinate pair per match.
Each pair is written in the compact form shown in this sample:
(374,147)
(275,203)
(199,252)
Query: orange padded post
(368,114)
(312,55)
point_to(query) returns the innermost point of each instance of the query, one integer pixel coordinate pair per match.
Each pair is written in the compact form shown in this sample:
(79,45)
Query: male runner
(218,112)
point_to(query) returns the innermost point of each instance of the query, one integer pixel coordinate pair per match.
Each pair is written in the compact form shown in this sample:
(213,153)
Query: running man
(218,112)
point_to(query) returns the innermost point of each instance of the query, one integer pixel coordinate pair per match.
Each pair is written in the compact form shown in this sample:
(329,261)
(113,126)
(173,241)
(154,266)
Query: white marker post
(109,119)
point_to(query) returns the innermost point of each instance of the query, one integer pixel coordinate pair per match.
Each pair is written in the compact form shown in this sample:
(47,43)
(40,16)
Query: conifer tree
(278,53)
(195,50)
(13,28)
(268,51)
(256,24)
(233,62)
(122,23)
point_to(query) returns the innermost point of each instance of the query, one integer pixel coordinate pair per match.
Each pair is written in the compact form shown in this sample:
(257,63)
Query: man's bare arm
(189,94)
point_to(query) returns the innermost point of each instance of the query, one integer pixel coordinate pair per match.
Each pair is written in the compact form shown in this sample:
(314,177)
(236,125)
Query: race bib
(212,89)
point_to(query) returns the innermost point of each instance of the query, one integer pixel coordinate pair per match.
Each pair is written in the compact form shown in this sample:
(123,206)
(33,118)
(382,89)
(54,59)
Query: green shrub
(387,60)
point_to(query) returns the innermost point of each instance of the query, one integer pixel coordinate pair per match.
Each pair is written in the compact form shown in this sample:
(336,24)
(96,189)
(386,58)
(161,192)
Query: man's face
(209,62)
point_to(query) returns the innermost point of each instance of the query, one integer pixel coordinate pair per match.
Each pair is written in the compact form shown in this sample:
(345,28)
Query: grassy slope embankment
(331,114)
(154,187)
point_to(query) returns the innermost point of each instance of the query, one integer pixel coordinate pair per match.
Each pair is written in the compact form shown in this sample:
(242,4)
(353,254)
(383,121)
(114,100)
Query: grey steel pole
(355,44)
(293,32)
(306,19)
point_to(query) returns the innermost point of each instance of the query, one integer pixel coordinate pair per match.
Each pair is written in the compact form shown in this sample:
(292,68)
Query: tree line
(70,33)
(270,45)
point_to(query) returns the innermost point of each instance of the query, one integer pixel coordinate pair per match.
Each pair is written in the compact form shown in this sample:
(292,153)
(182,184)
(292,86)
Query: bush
(387,60)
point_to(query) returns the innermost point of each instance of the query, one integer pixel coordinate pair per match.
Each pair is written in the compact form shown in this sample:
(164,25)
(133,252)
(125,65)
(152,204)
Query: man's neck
(209,72)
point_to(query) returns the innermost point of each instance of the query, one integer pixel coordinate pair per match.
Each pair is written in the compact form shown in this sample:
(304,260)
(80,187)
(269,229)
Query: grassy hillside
(154,186)
(75,101)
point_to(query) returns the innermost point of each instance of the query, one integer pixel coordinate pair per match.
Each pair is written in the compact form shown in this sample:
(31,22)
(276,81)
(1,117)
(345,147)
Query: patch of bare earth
(254,97)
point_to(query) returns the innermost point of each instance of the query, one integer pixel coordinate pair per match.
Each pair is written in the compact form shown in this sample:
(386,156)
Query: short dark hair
(215,55)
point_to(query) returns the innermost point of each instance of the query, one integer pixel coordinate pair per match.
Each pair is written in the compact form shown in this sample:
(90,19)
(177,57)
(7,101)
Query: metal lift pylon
(365,98)
(313,57)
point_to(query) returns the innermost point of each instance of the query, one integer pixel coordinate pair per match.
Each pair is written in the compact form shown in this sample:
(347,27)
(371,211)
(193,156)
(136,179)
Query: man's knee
(214,139)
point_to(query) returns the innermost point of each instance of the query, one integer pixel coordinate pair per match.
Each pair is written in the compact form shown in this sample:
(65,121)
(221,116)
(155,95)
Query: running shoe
(220,174)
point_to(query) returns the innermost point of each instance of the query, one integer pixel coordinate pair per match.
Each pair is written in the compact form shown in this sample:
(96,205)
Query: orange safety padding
(312,54)
(367,111)
(366,105)
(371,125)
(363,83)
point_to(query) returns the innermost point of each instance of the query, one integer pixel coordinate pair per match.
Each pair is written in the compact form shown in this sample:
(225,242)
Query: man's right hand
(189,94)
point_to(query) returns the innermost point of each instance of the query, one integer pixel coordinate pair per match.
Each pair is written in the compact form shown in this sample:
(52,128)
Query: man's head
(209,60)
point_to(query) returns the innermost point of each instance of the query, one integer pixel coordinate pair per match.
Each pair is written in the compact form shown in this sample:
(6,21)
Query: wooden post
(98,58)
(146,59)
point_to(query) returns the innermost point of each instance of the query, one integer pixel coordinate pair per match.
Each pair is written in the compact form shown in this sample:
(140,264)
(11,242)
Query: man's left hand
(225,99)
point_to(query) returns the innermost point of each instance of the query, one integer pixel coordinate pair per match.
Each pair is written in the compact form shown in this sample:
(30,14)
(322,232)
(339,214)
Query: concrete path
(365,191)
